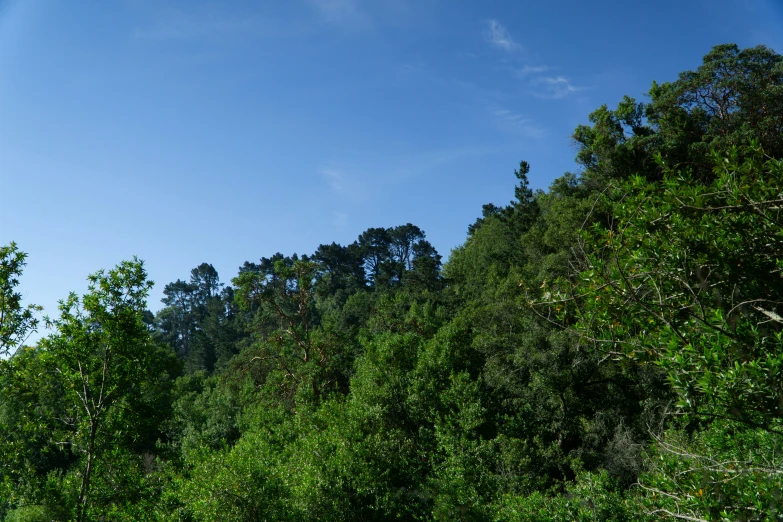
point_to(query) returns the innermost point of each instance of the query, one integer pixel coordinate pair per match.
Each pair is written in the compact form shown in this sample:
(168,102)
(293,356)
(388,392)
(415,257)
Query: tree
(521,212)
(725,471)
(17,322)
(425,267)
(206,283)
(199,320)
(210,319)
(111,379)
(341,268)
(390,253)
(687,277)
(177,319)
(734,96)
(284,297)
(375,248)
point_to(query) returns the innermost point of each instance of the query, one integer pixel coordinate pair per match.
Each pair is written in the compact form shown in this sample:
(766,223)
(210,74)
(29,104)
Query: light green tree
(93,395)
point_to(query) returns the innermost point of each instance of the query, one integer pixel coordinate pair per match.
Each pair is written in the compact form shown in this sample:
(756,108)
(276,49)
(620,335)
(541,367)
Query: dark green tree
(341,268)
(375,245)
(177,320)
(17,322)
(200,320)
(736,95)
(687,278)
(286,337)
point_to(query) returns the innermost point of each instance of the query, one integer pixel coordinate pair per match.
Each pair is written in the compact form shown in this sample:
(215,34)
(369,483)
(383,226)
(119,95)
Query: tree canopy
(608,349)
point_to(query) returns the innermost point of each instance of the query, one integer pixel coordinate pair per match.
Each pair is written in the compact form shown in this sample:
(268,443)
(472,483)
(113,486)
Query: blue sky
(188,131)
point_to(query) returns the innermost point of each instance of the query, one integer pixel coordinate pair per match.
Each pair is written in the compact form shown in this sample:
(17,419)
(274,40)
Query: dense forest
(608,349)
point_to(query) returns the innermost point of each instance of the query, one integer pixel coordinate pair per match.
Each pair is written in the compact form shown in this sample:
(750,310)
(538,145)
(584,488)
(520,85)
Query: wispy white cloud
(528,70)
(543,85)
(389,169)
(516,123)
(554,87)
(534,77)
(333,177)
(493,106)
(509,116)
(343,182)
(499,36)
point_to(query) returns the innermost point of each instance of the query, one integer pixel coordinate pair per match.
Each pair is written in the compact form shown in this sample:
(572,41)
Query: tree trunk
(81,507)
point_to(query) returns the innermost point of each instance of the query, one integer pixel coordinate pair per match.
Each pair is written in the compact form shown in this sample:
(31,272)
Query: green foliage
(607,350)
(200,320)
(591,498)
(204,415)
(733,97)
(90,398)
(288,342)
(688,277)
(725,472)
(241,483)
(17,322)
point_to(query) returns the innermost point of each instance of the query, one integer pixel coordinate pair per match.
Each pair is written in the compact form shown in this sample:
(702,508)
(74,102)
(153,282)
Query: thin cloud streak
(555,87)
(515,123)
(531,69)
(499,36)
(540,85)
(390,170)
(334,178)
(343,184)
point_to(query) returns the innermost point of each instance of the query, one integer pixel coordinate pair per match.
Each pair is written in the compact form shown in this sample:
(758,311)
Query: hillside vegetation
(608,349)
